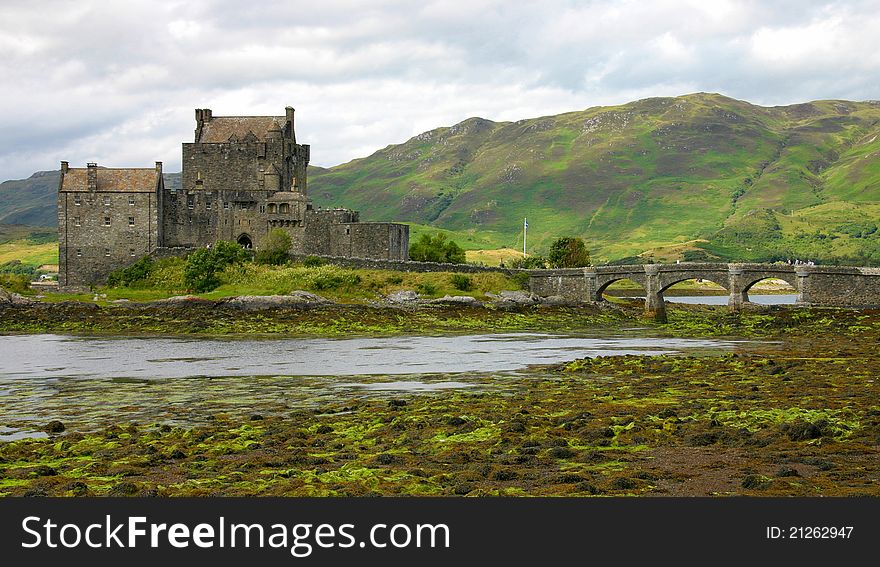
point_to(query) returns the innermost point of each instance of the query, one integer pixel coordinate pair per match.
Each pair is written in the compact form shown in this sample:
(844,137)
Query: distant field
(492,257)
(29,253)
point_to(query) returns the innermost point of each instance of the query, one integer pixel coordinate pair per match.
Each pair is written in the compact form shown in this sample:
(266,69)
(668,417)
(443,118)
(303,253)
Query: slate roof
(123,180)
(220,129)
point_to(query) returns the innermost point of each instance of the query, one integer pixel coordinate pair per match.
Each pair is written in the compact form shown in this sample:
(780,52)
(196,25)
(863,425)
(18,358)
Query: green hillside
(696,176)
(639,176)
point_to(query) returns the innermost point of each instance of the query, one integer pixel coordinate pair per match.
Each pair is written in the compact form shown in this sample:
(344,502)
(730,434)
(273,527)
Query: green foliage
(202,267)
(313,261)
(132,275)
(275,249)
(394,280)
(528,263)
(695,256)
(16,267)
(426,288)
(335,281)
(42,237)
(462,282)
(436,248)
(18,283)
(569,252)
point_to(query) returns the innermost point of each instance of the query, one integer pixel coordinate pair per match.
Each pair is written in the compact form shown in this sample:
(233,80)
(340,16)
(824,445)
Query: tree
(275,248)
(569,252)
(436,249)
(203,265)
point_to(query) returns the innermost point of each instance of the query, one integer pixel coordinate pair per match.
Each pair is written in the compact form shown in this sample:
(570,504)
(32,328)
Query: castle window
(226,205)
(262,208)
(106,221)
(190,202)
(106,200)
(77,200)
(208,204)
(348,230)
(283,208)
(79,253)
(106,251)
(131,252)
(131,200)
(271,207)
(130,221)
(76,221)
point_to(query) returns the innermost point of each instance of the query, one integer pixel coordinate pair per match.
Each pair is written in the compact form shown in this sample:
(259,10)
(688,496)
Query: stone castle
(243,176)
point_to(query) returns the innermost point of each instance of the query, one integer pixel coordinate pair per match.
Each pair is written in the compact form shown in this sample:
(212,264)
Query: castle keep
(243,176)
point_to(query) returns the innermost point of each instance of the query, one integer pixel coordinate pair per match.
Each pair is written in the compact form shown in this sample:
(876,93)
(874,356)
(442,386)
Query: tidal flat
(793,411)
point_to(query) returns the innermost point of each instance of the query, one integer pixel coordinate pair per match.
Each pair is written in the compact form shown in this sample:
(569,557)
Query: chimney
(159,167)
(288,110)
(64,167)
(92,176)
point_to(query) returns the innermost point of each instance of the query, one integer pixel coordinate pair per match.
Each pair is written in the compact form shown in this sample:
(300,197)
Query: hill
(753,182)
(696,176)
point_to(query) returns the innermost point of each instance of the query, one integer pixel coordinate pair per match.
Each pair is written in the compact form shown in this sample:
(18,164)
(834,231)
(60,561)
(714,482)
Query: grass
(29,253)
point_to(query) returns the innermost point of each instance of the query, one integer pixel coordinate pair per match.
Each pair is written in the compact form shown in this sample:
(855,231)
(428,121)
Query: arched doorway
(245,242)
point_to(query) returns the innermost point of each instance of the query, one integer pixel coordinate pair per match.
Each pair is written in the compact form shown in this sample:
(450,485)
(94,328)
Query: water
(90,382)
(44,357)
(766,299)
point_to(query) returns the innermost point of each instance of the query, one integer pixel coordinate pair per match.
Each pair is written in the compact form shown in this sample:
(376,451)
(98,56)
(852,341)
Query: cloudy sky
(117,82)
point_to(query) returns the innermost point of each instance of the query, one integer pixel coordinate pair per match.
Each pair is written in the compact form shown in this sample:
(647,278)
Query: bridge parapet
(815,285)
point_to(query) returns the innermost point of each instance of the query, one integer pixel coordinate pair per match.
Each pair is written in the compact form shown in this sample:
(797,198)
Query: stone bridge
(830,286)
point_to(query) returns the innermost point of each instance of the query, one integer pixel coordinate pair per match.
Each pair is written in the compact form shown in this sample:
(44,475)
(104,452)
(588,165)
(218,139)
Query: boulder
(257,302)
(518,297)
(308,297)
(403,296)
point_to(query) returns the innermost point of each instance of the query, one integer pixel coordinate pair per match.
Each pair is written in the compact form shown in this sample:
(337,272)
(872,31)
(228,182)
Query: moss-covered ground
(796,414)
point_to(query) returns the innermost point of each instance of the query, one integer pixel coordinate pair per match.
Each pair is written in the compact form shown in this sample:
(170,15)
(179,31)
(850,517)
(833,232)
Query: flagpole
(525,231)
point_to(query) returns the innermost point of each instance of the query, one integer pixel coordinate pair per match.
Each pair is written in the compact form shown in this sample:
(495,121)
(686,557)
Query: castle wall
(89,249)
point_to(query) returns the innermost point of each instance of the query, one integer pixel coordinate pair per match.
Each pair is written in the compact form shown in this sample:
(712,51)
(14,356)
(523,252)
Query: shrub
(17,268)
(203,265)
(394,280)
(313,262)
(334,281)
(17,283)
(436,249)
(426,288)
(462,282)
(529,263)
(569,252)
(137,272)
(275,249)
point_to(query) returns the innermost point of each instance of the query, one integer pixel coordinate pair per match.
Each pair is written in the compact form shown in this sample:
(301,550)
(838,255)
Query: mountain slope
(665,175)
(627,178)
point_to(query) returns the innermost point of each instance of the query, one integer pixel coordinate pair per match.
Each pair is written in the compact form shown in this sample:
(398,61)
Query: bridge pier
(655,306)
(739,296)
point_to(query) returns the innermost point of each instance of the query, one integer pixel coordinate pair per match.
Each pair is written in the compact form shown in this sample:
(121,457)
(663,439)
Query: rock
(755,482)
(455,421)
(624,483)
(11,298)
(465,299)
(259,302)
(54,426)
(178,299)
(396,403)
(44,470)
(308,297)
(787,471)
(124,488)
(557,300)
(403,296)
(516,297)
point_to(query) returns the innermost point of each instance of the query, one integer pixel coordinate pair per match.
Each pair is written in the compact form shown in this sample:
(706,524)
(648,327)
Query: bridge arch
(604,286)
(752,279)
(669,282)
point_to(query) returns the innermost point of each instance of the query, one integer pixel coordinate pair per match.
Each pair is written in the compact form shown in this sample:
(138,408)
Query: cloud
(116,82)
